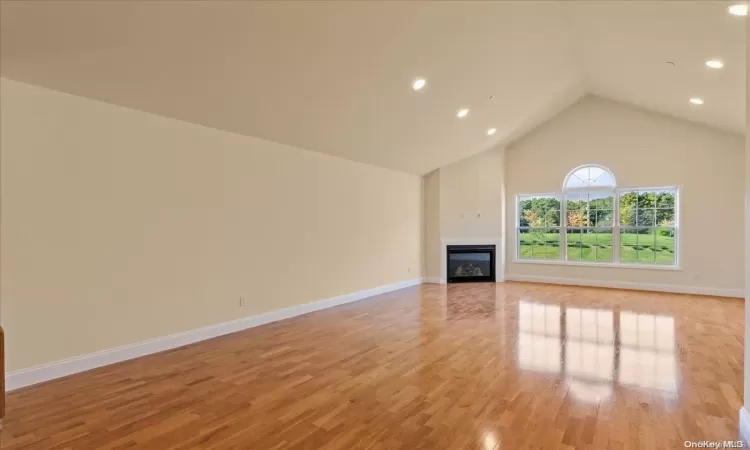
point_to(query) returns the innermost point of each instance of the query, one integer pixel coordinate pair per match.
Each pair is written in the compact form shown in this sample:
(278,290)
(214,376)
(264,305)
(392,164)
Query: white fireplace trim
(497,241)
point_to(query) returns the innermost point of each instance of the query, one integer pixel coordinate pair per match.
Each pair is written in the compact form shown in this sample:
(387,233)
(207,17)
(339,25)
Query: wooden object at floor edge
(2,376)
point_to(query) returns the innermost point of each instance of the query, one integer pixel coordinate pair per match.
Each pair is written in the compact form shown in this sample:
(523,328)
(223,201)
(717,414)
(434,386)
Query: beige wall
(643,150)
(471,197)
(463,201)
(432,224)
(120,226)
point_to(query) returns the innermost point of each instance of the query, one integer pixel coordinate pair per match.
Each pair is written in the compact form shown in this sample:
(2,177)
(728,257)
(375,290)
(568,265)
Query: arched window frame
(576,193)
(586,190)
(604,187)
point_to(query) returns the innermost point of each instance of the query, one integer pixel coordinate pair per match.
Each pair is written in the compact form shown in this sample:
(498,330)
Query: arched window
(589,177)
(594,221)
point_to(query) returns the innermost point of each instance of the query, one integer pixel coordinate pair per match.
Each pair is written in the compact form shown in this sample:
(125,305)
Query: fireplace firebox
(470,263)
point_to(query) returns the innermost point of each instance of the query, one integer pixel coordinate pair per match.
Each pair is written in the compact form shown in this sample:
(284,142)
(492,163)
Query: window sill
(553,262)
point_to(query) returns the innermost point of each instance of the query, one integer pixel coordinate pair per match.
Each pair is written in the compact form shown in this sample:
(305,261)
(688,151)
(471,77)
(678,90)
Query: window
(592,221)
(589,225)
(539,227)
(647,226)
(589,177)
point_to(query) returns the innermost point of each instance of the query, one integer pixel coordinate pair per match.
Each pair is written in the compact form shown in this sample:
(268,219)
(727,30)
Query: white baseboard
(744,425)
(26,377)
(700,290)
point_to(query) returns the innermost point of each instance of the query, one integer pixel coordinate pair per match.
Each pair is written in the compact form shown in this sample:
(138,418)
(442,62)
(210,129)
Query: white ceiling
(624,47)
(335,77)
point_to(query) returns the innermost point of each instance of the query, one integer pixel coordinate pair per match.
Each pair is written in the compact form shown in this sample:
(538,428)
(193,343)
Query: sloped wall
(643,150)
(120,226)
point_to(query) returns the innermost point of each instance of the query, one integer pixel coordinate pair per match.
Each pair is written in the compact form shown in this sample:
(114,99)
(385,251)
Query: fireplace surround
(470,263)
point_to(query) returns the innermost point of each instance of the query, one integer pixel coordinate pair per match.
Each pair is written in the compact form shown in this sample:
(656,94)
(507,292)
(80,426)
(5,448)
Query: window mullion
(616,228)
(563,228)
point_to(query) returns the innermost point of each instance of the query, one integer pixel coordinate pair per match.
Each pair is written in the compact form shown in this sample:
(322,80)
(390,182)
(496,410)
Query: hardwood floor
(472,366)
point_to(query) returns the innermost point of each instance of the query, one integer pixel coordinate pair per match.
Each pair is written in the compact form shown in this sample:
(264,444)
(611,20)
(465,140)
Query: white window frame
(616,227)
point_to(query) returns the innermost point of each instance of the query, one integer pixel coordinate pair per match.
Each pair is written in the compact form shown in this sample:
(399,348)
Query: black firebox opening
(470,263)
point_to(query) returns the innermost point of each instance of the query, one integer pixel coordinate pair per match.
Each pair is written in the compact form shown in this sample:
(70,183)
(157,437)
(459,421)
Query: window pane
(629,245)
(539,243)
(577,210)
(524,205)
(645,246)
(552,250)
(548,244)
(605,179)
(628,207)
(575,244)
(646,200)
(574,202)
(664,246)
(577,218)
(603,218)
(646,217)
(552,219)
(589,176)
(575,181)
(645,238)
(537,249)
(602,244)
(646,255)
(665,199)
(535,211)
(599,201)
(595,173)
(665,217)
(525,241)
(665,255)
(532,218)
(595,202)
(588,245)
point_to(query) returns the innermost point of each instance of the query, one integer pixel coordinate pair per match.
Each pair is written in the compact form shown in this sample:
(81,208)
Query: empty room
(386,225)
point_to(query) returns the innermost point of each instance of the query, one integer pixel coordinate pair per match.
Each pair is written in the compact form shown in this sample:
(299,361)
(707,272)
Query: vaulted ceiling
(335,77)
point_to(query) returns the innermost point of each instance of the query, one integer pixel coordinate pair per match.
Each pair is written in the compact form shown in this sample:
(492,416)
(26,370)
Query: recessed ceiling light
(715,64)
(419,83)
(463,112)
(738,10)
(491,131)
(696,101)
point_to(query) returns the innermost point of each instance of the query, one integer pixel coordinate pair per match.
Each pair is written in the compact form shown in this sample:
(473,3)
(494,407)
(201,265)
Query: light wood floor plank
(467,366)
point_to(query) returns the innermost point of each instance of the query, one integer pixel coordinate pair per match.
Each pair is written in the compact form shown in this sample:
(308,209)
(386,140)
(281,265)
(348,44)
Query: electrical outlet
(408,270)
(242,301)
